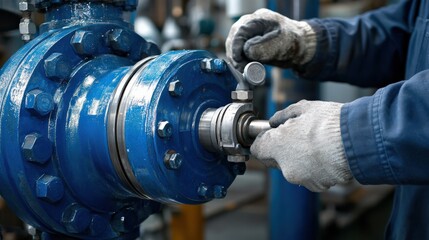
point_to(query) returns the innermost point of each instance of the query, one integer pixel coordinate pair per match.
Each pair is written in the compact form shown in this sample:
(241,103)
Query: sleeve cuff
(363,141)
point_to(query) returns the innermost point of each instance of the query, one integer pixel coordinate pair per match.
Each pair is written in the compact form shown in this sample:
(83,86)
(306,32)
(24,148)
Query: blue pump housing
(93,138)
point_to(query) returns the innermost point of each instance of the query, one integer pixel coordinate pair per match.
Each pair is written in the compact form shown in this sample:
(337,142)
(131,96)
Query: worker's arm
(369,50)
(386,136)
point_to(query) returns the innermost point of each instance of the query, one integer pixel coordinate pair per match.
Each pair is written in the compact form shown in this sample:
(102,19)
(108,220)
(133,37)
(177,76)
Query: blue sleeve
(386,136)
(369,50)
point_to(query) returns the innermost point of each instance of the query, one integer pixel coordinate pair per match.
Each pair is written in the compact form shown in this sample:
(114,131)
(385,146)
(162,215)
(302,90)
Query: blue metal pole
(293,209)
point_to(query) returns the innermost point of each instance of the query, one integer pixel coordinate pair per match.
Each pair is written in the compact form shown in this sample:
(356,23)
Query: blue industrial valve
(98,128)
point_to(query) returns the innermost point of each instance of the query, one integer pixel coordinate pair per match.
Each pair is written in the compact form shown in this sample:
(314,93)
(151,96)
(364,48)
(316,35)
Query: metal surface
(257,126)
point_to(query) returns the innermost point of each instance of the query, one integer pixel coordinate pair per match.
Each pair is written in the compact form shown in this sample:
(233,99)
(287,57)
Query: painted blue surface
(55,166)
(293,209)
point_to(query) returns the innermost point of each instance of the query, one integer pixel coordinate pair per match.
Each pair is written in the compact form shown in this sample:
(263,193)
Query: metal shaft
(258,126)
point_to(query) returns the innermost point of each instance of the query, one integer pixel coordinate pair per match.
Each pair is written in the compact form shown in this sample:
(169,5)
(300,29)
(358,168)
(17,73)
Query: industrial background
(106,104)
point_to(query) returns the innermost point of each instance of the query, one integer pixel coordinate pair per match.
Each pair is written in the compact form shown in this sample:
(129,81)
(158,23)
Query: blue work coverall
(386,136)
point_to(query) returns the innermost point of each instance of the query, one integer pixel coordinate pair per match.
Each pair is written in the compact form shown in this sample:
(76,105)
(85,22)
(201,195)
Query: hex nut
(175,88)
(37,148)
(219,191)
(173,160)
(204,191)
(27,27)
(57,67)
(120,40)
(84,43)
(125,220)
(49,188)
(25,6)
(40,102)
(213,65)
(237,158)
(165,129)
(242,95)
(76,219)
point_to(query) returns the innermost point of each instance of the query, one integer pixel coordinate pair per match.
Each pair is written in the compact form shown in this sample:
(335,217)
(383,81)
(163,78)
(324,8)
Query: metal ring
(115,135)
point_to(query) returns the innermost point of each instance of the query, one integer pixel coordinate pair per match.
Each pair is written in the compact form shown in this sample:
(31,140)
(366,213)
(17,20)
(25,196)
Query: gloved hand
(268,37)
(306,145)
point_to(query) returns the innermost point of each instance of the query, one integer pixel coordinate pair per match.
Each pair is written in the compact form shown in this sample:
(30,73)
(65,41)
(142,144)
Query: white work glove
(306,145)
(268,37)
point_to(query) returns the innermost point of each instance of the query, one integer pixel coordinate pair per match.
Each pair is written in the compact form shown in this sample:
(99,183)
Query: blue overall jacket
(386,136)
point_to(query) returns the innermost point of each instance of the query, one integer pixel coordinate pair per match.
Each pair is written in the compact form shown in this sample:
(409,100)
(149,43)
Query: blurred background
(260,205)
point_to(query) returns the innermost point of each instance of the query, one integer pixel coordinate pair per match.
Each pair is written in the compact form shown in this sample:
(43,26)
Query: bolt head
(125,220)
(57,67)
(49,188)
(219,191)
(165,129)
(37,148)
(84,43)
(242,95)
(175,88)
(76,219)
(204,191)
(237,158)
(25,6)
(213,65)
(119,40)
(27,27)
(175,161)
(39,102)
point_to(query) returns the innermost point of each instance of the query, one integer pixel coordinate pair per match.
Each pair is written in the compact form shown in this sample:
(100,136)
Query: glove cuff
(331,133)
(308,43)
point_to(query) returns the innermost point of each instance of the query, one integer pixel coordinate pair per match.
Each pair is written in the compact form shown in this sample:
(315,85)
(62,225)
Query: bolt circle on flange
(57,67)
(49,188)
(39,102)
(37,148)
(76,219)
(84,43)
(175,88)
(165,129)
(173,160)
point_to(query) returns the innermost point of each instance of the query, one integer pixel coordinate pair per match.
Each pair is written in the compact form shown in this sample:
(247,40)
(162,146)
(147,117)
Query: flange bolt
(39,102)
(173,160)
(165,129)
(175,88)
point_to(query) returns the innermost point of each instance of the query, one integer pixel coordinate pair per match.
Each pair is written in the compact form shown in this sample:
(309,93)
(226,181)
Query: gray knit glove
(268,37)
(306,145)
